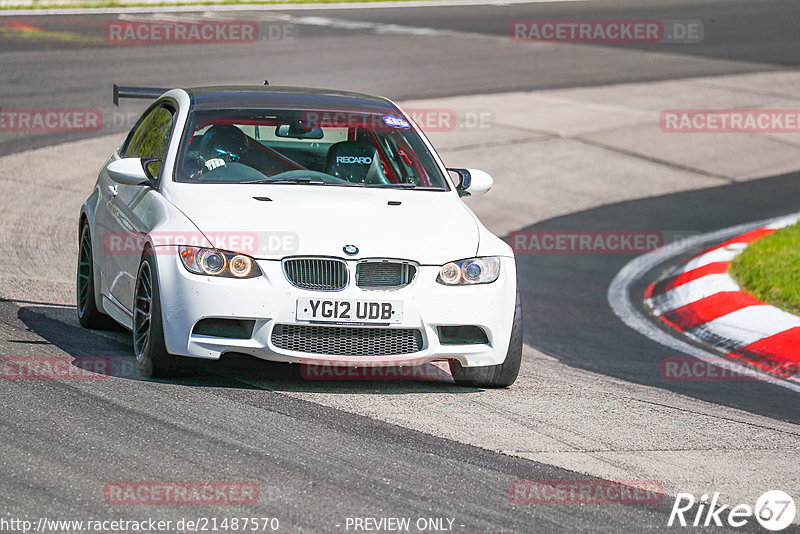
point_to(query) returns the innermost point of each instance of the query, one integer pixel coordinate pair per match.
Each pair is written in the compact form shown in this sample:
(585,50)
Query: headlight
(469,272)
(213,262)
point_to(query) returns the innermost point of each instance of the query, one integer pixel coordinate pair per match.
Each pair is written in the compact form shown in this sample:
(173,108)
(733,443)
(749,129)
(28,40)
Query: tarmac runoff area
(551,153)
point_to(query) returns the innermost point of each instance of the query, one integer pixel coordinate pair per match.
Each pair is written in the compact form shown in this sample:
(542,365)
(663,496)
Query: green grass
(769,269)
(45,4)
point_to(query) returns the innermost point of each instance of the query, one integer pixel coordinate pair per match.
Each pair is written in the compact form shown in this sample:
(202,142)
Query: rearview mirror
(472,182)
(128,171)
(299,130)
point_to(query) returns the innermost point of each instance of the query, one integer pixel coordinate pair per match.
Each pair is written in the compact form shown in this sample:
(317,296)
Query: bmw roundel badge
(350,249)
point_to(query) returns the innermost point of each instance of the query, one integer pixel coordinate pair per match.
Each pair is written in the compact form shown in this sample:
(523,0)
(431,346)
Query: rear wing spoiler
(150,93)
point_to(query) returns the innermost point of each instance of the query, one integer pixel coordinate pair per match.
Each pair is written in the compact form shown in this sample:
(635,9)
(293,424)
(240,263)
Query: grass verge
(769,269)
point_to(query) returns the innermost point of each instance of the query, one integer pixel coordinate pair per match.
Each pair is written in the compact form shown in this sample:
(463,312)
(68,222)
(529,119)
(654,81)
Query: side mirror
(152,168)
(131,171)
(472,182)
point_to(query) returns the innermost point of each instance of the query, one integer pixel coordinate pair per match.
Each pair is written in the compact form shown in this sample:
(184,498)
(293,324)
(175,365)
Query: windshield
(321,147)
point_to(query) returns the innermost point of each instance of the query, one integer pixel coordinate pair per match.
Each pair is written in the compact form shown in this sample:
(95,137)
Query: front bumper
(271,300)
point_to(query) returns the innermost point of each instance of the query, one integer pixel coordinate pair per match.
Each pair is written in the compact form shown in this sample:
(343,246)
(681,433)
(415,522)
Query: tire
(85,299)
(152,358)
(495,376)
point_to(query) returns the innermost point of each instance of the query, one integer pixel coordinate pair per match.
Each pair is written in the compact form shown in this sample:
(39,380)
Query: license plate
(349,311)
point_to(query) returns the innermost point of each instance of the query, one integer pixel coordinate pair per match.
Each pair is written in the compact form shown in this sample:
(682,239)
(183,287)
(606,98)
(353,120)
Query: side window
(151,138)
(134,141)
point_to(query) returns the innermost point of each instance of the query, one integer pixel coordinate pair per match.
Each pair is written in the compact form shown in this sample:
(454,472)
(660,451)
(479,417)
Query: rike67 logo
(774,510)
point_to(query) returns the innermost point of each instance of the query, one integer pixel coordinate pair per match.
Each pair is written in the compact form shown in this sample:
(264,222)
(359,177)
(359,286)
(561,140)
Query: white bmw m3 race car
(295,225)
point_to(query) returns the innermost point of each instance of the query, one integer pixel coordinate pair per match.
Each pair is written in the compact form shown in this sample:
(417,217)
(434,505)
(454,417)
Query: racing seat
(356,162)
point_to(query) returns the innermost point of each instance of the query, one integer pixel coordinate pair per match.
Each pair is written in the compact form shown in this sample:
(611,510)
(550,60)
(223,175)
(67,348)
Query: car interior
(250,150)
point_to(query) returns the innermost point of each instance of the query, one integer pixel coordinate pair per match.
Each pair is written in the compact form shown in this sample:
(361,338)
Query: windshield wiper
(289,181)
(312,181)
(406,185)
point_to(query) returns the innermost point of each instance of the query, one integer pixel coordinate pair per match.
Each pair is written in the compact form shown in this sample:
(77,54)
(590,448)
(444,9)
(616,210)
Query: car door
(109,242)
(127,206)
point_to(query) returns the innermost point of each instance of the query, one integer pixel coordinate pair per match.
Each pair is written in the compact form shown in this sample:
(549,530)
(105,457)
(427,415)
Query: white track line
(781,223)
(619,299)
(269,7)
(376,27)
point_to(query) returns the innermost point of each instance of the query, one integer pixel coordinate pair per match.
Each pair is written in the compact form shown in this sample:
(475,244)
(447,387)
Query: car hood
(275,221)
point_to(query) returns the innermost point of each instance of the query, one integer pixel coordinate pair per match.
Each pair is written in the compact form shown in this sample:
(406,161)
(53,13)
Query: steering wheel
(230,172)
(375,174)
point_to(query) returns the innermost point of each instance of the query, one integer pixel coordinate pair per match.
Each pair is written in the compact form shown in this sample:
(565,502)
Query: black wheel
(152,357)
(495,376)
(88,314)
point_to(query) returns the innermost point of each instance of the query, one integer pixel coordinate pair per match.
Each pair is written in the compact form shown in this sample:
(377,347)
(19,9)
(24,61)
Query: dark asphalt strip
(763,31)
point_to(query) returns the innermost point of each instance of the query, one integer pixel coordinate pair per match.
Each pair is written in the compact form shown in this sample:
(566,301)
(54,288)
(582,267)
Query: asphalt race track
(582,283)
(316,462)
(79,70)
